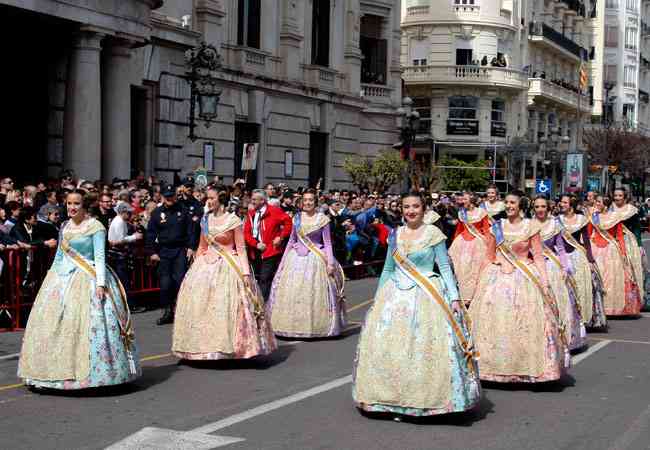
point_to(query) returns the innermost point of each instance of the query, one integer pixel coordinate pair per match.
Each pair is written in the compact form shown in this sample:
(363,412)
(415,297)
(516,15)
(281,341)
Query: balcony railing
(545,31)
(421,10)
(539,87)
(375,91)
(473,75)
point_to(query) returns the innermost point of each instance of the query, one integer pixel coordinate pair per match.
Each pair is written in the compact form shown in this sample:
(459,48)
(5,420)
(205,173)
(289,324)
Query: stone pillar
(291,37)
(116,111)
(83,115)
(352,53)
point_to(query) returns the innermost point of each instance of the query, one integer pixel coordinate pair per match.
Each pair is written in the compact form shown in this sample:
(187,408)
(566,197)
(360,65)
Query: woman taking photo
(560,274)
(415,355)
(589,285)
(516,322)
(469,245)
(306,298)
(623,297)
(219,312)
(79,334)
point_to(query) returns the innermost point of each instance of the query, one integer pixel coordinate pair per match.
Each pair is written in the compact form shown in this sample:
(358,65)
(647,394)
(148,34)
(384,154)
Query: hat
(188,182)
(123,207)
(169,190)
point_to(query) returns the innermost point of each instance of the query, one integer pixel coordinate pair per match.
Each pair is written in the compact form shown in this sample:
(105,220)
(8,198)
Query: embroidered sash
(124,322)
(471,355)
(462,215)
(627,263)
(337,283)
(506,251)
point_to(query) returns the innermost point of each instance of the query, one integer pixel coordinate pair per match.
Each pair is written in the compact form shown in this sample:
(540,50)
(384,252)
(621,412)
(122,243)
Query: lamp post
(409,123)
(202,62)
(608,85)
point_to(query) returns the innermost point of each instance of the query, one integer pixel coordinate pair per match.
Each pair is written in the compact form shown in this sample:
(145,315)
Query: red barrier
(24,272)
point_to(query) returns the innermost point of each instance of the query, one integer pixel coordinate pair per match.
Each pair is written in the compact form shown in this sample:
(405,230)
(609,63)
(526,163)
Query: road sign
(543,187)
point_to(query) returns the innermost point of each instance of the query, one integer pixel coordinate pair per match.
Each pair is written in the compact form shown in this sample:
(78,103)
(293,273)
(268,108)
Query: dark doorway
(245,133)
(317,158)
(25,108)
(138,131)
(463,57)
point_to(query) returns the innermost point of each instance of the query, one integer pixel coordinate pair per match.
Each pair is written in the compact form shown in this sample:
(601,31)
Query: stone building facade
(311,81)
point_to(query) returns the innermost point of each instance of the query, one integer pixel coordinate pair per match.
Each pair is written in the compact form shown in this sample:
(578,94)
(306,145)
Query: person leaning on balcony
(484,61)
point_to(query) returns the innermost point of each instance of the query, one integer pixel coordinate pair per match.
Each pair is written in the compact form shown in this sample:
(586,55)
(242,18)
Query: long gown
(217,317)
(564,286)
(590,290)
(469,247)
(622,295)
(410,359)
(306,302)
(496,210)
(516,330)
(629,215)
(74,340)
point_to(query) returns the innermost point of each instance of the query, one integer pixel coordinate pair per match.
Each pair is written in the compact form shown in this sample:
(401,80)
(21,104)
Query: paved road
(300,399)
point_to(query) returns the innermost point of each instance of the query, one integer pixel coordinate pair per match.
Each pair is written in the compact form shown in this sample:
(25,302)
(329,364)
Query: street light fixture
(202,63)
(409,124)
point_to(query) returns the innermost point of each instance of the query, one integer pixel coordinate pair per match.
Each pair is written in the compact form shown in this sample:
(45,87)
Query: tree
(618,146)
(465,176)
(376,174)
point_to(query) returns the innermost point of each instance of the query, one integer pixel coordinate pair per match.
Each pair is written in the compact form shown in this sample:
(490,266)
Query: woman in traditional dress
(79,334)
(415,355)
(589,282)
(469,245)
(219,312)
(516,323)
(622,294)
(560,274)
(631,226)
(306,299)
(494,207)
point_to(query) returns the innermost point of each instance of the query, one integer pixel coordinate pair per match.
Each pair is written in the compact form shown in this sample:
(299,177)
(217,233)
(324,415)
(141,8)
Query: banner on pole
(574,172)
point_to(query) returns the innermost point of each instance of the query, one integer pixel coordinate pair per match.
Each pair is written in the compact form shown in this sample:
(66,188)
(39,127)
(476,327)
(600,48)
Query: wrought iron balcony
(543,31)
(545,91)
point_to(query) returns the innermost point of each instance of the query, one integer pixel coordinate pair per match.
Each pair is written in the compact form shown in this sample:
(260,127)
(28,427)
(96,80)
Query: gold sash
(125,323)
(258,306)
(304,240)
(430,289)
(510,256)
(627,263)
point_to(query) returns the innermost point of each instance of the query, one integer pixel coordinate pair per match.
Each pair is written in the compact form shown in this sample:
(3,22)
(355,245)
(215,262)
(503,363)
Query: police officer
(170,241)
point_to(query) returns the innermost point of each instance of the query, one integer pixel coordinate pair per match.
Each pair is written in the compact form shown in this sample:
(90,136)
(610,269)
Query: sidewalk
(10,343)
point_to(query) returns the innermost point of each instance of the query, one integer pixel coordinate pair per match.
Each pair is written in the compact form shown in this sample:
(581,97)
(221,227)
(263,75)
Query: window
(611,36)
(612,4)
(419,62)
(248,23)
(629,76)
(611,73)
(631,5)
(463,107)
(629,116)
(375,51)
(631,35)
(463,56)
(465,2)
(498,110)
(320,33)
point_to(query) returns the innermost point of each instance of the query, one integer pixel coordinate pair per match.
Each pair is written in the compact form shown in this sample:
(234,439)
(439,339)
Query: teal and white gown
(74,340)
(415,355)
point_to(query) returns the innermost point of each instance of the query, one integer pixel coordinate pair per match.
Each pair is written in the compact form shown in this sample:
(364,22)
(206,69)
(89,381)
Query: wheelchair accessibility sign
(543,187)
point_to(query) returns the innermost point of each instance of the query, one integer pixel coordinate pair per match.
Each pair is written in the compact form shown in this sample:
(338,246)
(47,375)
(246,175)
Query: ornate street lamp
(202,63)
(409,124)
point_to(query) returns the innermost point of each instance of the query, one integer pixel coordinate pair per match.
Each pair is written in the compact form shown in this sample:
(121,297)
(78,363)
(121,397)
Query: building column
(116,111)
(82,122)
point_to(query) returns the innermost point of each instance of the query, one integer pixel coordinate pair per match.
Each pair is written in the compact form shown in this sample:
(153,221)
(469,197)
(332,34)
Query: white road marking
(9,357)
(151,438)
(590,351)
(627,439)
(645,314)
(276,404)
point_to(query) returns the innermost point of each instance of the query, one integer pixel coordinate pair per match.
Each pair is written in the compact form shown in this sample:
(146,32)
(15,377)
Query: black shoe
(167,318)
(137,309)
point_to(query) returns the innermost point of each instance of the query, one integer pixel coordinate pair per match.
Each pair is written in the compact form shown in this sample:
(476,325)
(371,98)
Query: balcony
(323,78)
(465,75)
(250,60)
(376,93)
(417,11)
(545,35)
(545,91)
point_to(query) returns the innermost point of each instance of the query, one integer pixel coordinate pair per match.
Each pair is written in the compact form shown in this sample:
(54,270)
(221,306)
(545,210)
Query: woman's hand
(455,305)
(330,270)
(100,293)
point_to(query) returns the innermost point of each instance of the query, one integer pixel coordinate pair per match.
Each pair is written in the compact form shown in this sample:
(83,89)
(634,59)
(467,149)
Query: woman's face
(541,209)
(213,200)
(308,202)
(394,206)
(491,194)
(565,205)
(512,206)
(74,205)
(413,209)
(619,197)
(466,201)
(599,204)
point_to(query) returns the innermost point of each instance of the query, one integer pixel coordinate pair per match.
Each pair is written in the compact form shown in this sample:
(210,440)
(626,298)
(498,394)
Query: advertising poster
(249,157)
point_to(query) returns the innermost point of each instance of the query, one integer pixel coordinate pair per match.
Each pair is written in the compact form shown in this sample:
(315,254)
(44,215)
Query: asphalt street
(300,398)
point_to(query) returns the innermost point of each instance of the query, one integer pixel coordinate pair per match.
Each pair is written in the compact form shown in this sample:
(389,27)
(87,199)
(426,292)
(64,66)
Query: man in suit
(266,229)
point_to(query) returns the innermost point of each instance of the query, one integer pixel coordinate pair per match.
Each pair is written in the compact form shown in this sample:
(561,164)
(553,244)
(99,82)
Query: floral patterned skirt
(566,297)
(215,319)
(304,303)
(73,339)
(515,330)
(622,296)
(408,360)
(466,256)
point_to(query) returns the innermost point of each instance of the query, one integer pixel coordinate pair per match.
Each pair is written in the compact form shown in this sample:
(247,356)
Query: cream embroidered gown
(216,317)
